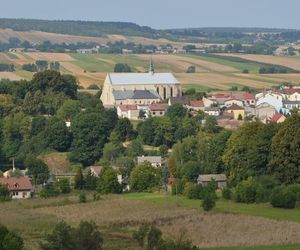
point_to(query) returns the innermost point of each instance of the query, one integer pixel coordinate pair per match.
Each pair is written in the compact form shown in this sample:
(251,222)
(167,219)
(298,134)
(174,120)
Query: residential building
(96,170)
(128,111)
(213,111)
(196,105)
(265,110)
(272,98)
(230,102)
(156,110)
(183,100)
(278,118)
(156,161)
(237,111)
(287,104)
(220,179)
(19,187)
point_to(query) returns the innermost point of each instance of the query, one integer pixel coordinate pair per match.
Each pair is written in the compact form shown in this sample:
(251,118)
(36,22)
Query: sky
(163,14)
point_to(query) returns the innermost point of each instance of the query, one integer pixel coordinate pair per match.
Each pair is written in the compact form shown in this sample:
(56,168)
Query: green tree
(108,182)
(69,110)
(176,111)
(79,182)
(122,67)
(135,148)
(4,194)
(12,241)
(209,201)
(37,169)
(124,129)
(144,177)
(284,163)
(63,185)
(248,151)
(90,181)
(90,132)
(191,171)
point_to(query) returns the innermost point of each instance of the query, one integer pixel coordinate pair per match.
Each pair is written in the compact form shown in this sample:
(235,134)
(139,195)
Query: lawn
(262,210)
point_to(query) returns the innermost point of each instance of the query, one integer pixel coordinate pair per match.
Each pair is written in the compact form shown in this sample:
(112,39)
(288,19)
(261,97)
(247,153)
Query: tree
(4,193)
(285,156)
(191,171)
(135,148)
(61,238)
(79,182)
(11,241)
(90,132)
(87,236)
(69,110)
(211,125)
(176,111)
(63,185)
(248,151)
(209,201)
(37,169)
(191,69)
(57,136)
(90,181)
(122,67)
(108,182)
(144,177)
(113,149)
(124,129)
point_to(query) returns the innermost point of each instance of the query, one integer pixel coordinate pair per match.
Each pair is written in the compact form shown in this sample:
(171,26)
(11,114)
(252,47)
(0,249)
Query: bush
(93,87)
(4,193)
(178,187)
(295,188)
(49,190)
(63,185)
(82,197)
(283,198)
(209,201)
(226,193)
(192,191)
(245,71)
(245,191)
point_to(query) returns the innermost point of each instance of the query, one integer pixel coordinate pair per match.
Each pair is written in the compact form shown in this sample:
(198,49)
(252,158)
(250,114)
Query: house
(278,118)
(265,110)
(14,50)
(19,187)
(207,102)
(156,161)
(127,51)
(213,111)
(183,100)
(237,111)
(272,98)
(158,109)
(96,170)
(139,88)
(128,111)
(230,102)
(196,105)
(291,104)
(220,179)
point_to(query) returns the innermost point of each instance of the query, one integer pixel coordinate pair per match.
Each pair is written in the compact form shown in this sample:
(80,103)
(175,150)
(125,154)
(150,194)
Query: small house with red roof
(196,105)
(237,111)
(278,118)
(157,109)
(19,187)
(128,111)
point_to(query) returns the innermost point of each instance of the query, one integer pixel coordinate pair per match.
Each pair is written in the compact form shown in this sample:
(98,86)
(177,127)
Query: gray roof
(142,78)
(291,102)
(211,109)
(151,159)
(209,177)
(179,100)
(136,94)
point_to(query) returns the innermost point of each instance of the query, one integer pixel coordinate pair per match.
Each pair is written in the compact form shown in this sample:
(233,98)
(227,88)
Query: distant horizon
(201,27)
(166,14)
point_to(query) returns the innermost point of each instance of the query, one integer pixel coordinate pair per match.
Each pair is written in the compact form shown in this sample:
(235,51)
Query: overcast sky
(163,13)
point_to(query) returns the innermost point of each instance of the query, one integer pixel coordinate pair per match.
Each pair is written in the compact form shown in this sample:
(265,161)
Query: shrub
(93,87)
(192,191)
(4,193)
(295,188)
(226,193)
(82,197)
(245,71)
(245,191)
(178,187)
(49,190)
(209,201)
(283,198)
(63,185)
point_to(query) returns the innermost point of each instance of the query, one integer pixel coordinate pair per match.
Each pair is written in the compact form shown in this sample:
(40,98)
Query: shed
(220,179)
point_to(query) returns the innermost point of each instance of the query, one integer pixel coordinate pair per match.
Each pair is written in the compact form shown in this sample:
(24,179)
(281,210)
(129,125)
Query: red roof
(158,107)
(240,96)
(197,104)
(125,108)
(17,183)
(276,117)
(290,91)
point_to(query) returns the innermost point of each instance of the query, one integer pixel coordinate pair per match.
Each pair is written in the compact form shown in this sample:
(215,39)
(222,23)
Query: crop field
(213,72)
(119,215)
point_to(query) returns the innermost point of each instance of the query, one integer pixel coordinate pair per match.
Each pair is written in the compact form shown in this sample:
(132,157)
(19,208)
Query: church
(139,88)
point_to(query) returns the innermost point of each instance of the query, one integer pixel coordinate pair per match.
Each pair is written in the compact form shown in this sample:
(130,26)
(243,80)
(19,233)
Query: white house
(19,187)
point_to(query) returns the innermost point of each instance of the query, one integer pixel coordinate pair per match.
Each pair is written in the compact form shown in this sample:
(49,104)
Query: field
(213,72)
(118,216)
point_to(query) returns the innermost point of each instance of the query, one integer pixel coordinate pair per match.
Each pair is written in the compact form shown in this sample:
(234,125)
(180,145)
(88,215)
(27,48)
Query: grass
(224,206)
(279,247)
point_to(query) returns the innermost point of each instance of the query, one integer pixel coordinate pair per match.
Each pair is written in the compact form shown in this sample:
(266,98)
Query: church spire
(151,67)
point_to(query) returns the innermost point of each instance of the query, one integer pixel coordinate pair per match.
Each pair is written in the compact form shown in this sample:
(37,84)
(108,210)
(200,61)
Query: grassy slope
(263,210)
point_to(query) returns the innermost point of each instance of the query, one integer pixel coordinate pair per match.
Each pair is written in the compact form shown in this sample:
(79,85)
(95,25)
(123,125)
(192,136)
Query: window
(161,113)
(153,113)
(165,93)
(171,92)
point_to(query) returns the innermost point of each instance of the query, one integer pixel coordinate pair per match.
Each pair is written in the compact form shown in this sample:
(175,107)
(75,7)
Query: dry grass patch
(10,75)
(60,57)
(56,162)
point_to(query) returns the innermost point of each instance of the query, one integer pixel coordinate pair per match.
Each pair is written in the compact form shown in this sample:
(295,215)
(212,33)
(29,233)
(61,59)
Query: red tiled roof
(127,107)
(197,104)
(17,183)
(276,117)
(290,91)
(158,107)
(235,107)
